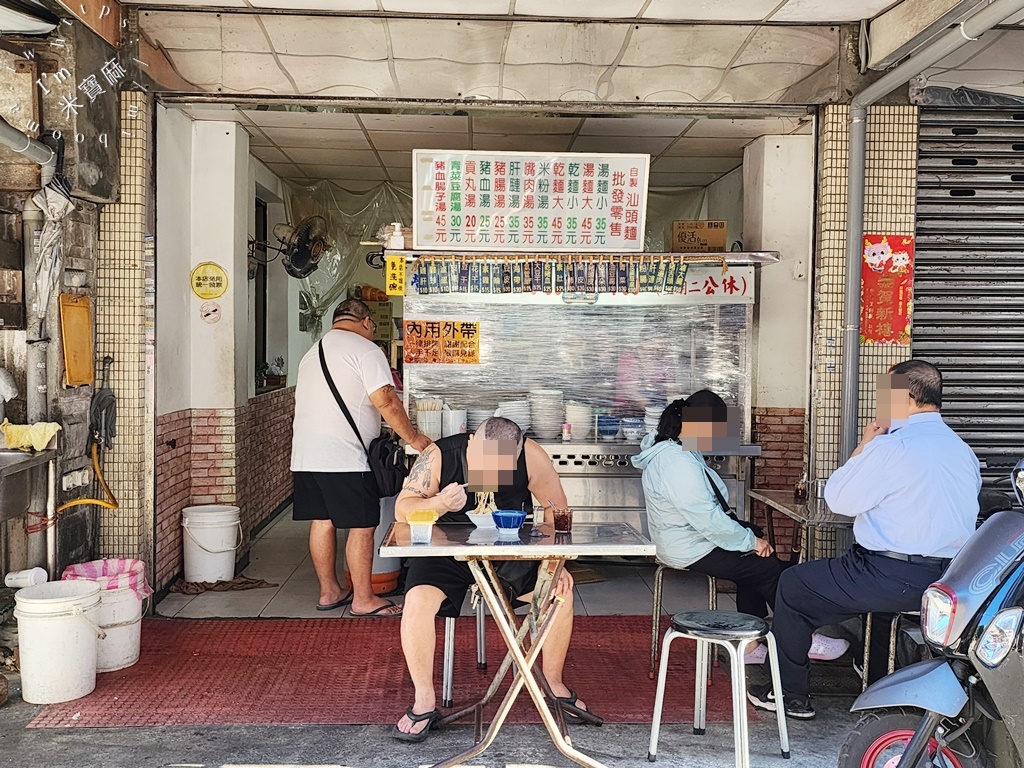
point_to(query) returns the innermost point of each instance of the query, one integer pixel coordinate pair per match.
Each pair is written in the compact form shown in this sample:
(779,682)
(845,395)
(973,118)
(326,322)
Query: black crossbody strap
(337,396)
(718,493)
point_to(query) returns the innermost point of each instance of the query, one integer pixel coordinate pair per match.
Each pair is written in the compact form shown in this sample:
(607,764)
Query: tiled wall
(781,434)
(121,333)
(264,438)
(214,456)
(174,490)
(889,208)
(221,456)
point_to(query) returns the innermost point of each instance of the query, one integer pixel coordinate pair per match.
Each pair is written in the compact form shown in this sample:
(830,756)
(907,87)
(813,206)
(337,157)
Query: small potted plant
(276,375)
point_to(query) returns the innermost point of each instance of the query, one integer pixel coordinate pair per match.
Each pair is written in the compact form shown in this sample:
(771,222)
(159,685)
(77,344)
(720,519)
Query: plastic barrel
(212,534)
(58,630)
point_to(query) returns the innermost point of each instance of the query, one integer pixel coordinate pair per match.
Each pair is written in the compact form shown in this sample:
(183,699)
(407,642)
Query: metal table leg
(541,616)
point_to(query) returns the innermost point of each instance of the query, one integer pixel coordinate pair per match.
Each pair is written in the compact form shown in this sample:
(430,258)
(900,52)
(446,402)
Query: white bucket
(212,534)
(123,588)
(58,628)
(121,619)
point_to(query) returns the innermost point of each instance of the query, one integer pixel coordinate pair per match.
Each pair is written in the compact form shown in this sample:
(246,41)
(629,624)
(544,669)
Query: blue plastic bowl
(508,519)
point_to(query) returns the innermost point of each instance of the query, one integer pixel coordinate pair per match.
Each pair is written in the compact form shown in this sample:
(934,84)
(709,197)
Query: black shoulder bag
(755,529)
(385,455)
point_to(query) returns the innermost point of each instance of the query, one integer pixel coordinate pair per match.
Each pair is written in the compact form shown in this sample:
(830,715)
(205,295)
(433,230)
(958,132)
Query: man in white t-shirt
(334,487)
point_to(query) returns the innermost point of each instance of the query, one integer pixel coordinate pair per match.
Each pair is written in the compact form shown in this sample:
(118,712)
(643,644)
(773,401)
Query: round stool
(735,632)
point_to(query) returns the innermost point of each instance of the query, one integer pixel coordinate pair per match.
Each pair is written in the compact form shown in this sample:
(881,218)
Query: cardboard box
(700,236)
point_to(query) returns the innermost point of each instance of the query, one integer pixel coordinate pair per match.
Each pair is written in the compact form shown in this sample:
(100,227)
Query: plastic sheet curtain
(351,217)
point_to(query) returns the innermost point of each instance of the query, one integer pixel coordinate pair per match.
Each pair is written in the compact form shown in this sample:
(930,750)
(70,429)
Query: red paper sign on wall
(887,289)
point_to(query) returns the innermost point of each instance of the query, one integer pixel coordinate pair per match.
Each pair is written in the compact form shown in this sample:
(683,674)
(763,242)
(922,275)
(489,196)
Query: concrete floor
(814,744)
(281,556)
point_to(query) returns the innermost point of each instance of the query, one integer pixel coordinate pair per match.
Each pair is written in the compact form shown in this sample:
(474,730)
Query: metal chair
(448,673)
(659,583)
(735,632)
(894,632)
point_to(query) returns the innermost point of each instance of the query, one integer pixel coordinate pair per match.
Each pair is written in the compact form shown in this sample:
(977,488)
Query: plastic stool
(448,673)
(735,632)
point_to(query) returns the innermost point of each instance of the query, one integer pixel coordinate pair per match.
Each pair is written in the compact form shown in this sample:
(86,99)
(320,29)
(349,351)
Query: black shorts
(454,578)
(347,499)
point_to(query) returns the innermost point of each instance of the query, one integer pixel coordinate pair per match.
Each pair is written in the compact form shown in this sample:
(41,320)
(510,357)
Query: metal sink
(15,473)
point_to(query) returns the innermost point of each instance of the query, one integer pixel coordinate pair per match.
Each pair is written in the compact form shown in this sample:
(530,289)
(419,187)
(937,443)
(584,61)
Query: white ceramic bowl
(481,521)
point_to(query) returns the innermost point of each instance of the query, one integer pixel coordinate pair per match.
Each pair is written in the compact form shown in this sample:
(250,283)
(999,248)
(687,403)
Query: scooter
(936,713)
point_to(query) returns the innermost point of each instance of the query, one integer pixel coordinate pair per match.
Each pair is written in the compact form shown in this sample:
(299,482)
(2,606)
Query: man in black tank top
(497,456)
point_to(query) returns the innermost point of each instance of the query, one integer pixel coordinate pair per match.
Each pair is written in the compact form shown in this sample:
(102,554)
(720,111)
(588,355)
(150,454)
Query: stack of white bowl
(652,415)
(581,417)
(475,417)
(517,411)
(547,411)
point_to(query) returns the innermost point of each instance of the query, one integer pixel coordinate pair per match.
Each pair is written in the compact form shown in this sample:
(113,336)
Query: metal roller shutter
(969,274)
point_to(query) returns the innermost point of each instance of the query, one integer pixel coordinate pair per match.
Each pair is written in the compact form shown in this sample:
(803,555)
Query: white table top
(466,541)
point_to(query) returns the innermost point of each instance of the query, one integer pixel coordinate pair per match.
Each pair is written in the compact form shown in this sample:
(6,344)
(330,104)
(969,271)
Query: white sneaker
(756,655)
(824,648)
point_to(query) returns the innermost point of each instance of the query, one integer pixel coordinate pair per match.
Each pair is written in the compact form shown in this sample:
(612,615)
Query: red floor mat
(351,671)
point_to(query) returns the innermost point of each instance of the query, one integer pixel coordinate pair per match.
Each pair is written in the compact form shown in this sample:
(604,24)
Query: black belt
(916,559)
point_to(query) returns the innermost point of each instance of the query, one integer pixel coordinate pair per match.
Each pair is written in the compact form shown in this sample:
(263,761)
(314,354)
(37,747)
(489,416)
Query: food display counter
(601,363)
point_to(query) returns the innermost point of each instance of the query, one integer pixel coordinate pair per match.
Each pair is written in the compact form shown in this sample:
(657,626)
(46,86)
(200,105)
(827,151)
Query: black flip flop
(377,612)
(568,704)
(434,719)
(344,601)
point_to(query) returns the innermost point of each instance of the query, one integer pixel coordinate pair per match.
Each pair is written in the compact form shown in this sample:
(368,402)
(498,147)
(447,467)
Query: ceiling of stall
(782,11)
(359,150)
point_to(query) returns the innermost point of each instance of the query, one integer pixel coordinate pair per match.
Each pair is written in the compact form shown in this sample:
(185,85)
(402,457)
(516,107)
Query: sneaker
(757,655)
(763,697)
(858,666)
(824,648)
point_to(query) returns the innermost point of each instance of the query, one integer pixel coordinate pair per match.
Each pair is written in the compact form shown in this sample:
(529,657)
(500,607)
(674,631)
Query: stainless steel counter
(602,484)
(15,472)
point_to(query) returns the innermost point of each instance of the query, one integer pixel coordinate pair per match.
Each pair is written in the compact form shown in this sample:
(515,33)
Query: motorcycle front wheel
(881,737)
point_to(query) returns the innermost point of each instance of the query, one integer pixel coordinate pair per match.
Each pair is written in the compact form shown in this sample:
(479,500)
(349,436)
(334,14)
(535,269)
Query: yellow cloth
(27,437)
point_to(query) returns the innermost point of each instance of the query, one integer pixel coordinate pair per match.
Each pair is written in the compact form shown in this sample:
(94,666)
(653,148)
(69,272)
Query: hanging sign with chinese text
(583,273)
(529,201)
(394,276)
(453,342)
(887,289)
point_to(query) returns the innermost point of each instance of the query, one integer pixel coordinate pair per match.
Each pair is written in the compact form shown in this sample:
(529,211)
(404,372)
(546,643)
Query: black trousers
(823,592)
(757,578)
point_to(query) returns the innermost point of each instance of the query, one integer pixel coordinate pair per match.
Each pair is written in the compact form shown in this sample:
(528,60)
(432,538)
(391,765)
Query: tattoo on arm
(419,480)
(387,390)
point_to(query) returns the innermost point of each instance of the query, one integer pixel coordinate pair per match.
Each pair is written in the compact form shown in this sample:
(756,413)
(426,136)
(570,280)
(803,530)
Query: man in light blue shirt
(912,486)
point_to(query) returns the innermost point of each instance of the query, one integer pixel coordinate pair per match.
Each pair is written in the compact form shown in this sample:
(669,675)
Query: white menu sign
(529,201)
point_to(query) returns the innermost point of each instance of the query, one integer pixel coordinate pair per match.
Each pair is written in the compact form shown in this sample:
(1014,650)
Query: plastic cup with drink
(421,525)
(563,520)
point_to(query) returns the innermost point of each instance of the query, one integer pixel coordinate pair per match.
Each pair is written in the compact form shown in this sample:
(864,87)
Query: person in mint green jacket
(688,512)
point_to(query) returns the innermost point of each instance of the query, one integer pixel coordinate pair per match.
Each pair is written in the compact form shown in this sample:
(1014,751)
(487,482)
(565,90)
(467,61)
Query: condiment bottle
(566,432)
(800,492)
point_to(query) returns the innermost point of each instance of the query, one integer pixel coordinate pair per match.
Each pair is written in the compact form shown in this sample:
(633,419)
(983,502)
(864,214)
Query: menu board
(529,201)
(452,342)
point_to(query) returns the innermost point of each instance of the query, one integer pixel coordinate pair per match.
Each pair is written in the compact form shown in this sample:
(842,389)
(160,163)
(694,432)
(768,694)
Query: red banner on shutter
(887,289)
